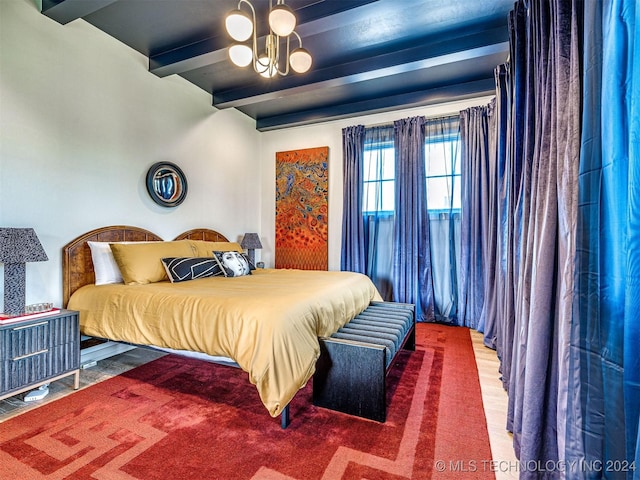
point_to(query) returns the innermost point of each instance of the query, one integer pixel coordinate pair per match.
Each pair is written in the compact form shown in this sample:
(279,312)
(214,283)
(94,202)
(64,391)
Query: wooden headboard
(77,265)
(202,234)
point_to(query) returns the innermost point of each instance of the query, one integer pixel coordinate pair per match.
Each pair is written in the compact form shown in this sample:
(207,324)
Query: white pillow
(104,265)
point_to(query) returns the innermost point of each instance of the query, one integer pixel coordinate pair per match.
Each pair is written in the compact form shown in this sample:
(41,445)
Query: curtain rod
(390,123)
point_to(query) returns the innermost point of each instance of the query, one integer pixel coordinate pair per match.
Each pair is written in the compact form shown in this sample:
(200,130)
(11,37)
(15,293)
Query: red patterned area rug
(177,418)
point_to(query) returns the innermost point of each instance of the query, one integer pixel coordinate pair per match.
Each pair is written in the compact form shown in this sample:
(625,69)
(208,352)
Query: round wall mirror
(166,184)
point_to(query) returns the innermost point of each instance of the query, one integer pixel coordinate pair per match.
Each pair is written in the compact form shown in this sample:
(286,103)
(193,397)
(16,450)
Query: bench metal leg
(284,417)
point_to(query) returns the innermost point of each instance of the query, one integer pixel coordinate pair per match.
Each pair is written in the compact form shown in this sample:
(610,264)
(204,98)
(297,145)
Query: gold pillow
(141,263)
(202,248)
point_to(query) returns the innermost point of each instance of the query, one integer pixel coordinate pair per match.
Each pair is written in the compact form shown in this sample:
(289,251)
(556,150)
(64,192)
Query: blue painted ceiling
(368,55)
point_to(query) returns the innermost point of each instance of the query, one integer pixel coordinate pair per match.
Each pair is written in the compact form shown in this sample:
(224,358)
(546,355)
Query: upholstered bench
(351,371)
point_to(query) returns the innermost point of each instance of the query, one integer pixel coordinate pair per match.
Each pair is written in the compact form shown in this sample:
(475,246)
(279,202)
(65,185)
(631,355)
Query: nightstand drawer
(34,351)
(27,340)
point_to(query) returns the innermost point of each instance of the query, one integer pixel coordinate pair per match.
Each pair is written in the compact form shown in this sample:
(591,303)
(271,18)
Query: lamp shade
(239,25)
(20,245)
(240,54)
(282,20)
(250,241)
(300,60)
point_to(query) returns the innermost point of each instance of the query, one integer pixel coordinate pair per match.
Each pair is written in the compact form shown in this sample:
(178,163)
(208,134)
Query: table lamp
(250,242)
(18,246)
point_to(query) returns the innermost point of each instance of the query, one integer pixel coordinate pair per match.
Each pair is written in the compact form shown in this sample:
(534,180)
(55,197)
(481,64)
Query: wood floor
(494,399)
(493,396)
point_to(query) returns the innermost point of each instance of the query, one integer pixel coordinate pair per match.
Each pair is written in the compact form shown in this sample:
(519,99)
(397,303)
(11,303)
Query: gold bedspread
(268,322)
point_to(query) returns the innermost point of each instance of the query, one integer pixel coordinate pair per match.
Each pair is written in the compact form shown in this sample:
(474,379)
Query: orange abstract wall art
(302,206)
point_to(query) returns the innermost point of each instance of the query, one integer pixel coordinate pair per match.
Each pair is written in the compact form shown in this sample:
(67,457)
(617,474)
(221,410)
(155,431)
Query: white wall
(81,122)
(320,135)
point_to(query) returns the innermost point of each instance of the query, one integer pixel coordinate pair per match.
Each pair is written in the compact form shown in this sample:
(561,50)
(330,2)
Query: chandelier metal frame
(268,62)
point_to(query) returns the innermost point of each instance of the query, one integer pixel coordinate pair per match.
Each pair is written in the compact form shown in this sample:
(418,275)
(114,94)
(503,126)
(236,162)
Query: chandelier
(282,23)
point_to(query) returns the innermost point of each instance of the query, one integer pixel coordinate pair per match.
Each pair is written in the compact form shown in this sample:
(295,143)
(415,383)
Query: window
(379,178)
(442,156)
(442,166)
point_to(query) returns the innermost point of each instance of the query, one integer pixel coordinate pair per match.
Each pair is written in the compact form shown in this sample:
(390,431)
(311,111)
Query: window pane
(442,163)
(437,161)
(456,162)
(379,172)
(457,189)
(439,156)
(371,166)
(388,200)
(388,167)
(439,193)
(369,201)
(378,196)
(379,164)
(454,157)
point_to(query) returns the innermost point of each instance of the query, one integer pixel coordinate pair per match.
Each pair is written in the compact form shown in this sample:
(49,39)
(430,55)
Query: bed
(268,322)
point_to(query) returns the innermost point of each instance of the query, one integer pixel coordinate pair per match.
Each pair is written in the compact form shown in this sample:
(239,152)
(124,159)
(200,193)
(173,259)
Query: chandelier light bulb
(282,20)
(239,25)
(300,60)
(265,68)
(240,54)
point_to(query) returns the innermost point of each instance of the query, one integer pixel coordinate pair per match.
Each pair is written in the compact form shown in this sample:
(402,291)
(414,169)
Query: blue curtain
(476,258)
(537,385)
(604,387)
(515,86)
(567,327)
(412,255)
(526,190)
(367,237)
(352,257)
(495,283)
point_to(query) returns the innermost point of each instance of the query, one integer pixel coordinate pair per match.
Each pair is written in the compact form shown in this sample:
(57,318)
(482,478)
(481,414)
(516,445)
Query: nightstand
(38,351)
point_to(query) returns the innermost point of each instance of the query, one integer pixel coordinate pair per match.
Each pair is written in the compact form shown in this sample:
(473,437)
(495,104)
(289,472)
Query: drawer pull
(31,354)
(30,326)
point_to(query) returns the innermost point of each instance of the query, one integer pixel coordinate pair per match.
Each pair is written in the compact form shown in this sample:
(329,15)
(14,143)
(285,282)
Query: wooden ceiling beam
(449,93)
(64,11)
(385,65)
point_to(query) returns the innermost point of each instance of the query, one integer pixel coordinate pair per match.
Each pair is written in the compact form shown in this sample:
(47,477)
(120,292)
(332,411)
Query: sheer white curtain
(445,249)
(442,158)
